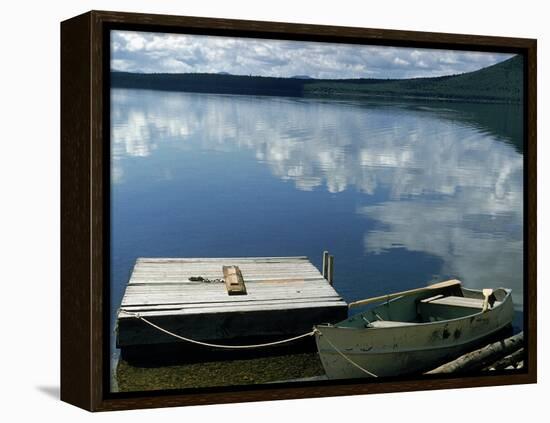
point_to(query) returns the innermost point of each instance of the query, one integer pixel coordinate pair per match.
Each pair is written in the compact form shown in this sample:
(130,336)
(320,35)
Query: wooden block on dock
(234,282)
(285,296)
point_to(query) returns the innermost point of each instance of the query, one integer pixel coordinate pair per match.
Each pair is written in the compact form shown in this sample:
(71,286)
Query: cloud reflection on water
(434,183)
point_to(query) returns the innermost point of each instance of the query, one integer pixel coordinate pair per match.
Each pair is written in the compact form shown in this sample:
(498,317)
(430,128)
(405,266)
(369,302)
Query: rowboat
(412,331)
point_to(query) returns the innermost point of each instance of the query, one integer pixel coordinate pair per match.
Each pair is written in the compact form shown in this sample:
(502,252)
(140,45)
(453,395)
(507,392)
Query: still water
(402,193)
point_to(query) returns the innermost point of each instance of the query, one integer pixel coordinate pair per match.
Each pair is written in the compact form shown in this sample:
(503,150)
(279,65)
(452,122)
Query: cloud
(172,53)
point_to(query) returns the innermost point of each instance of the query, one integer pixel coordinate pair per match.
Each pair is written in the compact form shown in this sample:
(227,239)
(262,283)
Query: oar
(439,285)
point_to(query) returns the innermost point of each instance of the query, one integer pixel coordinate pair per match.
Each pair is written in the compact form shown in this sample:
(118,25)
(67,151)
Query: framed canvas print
(260,210)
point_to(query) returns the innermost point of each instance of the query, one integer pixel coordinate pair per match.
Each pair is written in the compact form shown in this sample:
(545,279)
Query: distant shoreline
(500,83)
(339,96)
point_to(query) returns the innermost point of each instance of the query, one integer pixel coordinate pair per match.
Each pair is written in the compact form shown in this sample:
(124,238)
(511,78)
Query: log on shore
(482,357)
(510,360)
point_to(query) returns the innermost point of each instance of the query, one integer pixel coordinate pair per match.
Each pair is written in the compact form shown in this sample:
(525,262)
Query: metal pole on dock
(325,264)
(330,269)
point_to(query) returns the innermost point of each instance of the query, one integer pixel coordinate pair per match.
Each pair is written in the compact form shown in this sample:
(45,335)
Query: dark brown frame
(84,170)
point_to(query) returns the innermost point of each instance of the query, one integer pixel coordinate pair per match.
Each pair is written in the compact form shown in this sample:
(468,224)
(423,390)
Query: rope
(349,359)
(206,344)
(267,344)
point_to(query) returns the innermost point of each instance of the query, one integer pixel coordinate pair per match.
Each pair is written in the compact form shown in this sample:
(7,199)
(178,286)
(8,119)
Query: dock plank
(160,300)
(152,307)
(182,299)
(208,309)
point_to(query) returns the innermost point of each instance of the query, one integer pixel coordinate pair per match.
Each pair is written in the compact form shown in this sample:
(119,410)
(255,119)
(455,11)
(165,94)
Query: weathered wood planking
(284,296)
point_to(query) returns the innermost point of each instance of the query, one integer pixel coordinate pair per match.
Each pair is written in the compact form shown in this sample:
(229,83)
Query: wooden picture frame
(85,205)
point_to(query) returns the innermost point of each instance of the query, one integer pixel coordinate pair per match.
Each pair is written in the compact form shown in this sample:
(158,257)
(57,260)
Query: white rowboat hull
(406,348)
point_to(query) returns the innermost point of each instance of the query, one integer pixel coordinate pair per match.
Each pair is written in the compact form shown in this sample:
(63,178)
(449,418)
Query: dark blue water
(402,194)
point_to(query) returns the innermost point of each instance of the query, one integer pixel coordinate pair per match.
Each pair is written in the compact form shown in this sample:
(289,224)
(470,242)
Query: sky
(182,53)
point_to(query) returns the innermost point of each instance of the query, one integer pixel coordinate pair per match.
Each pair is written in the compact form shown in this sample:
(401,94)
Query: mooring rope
(207,344)
(349,359)
(249,346)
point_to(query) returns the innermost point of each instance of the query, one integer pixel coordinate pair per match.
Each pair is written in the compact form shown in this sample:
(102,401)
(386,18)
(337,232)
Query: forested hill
(210,83)
(502,82)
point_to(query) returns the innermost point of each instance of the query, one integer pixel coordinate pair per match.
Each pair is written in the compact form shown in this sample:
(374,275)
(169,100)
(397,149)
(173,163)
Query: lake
(402,193)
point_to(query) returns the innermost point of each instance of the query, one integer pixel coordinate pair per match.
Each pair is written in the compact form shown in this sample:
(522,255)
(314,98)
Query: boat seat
(388,324)
(457,301)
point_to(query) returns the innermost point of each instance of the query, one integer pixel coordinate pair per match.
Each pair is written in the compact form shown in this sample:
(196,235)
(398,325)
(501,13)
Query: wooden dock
(282,296)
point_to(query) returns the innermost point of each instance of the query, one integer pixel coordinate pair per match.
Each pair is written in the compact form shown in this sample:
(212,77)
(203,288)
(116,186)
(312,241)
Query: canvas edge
(82,206)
